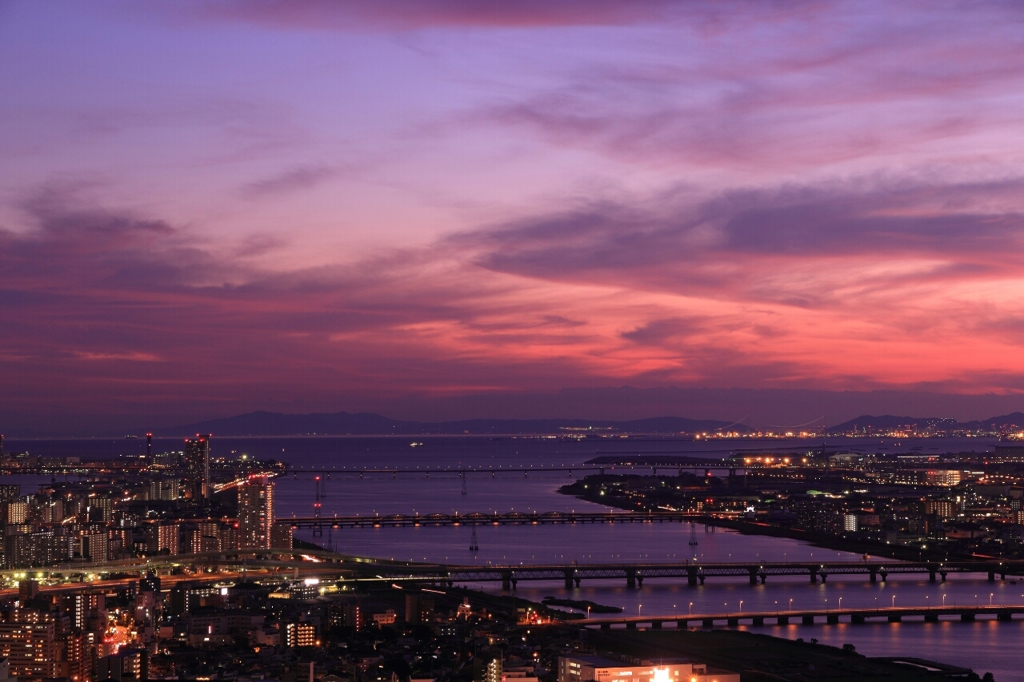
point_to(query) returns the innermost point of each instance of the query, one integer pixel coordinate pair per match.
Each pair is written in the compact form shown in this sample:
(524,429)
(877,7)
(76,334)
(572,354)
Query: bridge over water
(494,518)
(680,465)
(695,573)
(894,614)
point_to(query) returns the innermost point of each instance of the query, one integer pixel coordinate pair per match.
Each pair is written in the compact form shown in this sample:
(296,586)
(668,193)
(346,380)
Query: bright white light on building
(661,675)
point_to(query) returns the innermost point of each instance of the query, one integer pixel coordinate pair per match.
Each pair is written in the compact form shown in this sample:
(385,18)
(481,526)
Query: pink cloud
(798,290)
(412,14)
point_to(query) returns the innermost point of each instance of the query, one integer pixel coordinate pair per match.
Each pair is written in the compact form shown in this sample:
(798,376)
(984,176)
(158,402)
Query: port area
(761,658)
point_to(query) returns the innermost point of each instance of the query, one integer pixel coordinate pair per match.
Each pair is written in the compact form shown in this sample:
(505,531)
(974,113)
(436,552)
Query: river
(985,646)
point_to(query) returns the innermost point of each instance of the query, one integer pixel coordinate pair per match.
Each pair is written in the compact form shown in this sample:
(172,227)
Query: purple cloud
(297,178)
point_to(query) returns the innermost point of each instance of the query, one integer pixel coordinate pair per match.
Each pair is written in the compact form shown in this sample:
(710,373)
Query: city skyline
(464,209)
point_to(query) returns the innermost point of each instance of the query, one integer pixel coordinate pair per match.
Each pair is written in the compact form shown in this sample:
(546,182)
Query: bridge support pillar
(931,576)
(991,576)
(691,577)
(630,625)
(733,622)
(764,578)
(656,624)
(514,583)
(1004,616)
(967,617)
(824,576)
(577,580)
(753,576)
(874,576)
(568,580)
(639,581)
(758,621)
(895,618)
(707,623)
(814,576)
(782,620)
(506,581)
(931,618)
(857,618)
(606,626)
(631,578)
(808,620)
(832,618)
(943,574)
(701,578)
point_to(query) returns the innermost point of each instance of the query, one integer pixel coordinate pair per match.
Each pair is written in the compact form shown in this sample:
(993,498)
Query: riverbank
(817,539)
(581,605)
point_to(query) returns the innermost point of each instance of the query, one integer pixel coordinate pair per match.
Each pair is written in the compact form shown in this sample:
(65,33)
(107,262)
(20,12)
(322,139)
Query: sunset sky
(441,209)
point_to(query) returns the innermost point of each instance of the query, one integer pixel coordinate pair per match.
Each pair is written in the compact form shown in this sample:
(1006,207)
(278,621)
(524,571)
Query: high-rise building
(72,659)
(149,448)
(197,467)
(27,642)
(9,493)
(16,512)
(163,538)
(255,513)
(126,664)
(300,635)
(489,671)
(281,536)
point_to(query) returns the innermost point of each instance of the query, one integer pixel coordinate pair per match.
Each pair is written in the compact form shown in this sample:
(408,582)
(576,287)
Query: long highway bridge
(634,574)
(680,465)
(492,519)
(351,570)
(894,614)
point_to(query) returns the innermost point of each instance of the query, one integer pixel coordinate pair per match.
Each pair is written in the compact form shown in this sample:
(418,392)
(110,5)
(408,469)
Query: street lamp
(588,613)
(691,608)
(894,601)
(741,605)
(990,598)
(638,607)
(790,603)
(840,603)
(943,601)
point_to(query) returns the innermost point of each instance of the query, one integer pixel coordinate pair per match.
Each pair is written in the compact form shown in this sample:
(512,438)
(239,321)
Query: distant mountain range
(367,424)
(890,422)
